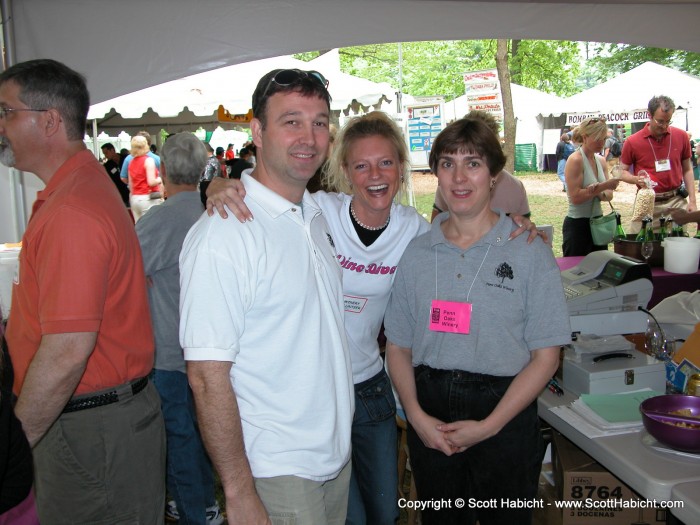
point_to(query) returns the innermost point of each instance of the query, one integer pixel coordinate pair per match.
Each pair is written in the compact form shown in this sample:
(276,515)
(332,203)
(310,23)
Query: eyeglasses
(596,119)
(663,122)
(5,111)
(288,77)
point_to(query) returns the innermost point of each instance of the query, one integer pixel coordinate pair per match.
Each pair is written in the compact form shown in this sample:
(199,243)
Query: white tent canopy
(190,102)
(632,91)
(127,45)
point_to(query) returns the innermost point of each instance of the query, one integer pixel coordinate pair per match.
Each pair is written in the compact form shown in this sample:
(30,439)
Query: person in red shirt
(79,332)
(663,151)
(229,152)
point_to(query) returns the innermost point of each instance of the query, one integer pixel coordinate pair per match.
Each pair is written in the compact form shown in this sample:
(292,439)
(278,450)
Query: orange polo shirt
(80,270)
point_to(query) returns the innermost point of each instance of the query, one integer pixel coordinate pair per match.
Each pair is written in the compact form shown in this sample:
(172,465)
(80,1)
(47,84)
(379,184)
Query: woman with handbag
(587,184)
(144,182)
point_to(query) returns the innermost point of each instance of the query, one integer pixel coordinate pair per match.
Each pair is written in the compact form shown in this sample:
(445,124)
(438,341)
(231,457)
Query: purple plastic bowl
(679,438)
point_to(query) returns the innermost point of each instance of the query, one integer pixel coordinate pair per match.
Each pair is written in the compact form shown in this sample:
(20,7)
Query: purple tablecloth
(665,283)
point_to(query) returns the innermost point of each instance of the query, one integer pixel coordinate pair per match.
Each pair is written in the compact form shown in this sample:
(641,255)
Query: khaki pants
(104,465)
(291,500)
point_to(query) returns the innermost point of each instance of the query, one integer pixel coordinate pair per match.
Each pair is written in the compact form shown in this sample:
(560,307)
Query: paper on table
(616,408)
(585,427)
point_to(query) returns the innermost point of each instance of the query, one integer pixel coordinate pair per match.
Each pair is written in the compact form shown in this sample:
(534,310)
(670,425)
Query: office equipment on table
(604,292)
(613,372)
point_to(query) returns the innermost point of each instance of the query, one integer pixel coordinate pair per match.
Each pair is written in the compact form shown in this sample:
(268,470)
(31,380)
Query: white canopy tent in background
(191,102)
(126,45)
(632,91)
(528,103)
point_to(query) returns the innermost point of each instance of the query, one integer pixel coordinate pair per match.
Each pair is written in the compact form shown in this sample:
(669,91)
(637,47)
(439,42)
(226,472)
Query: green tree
(609,60)
(435,68)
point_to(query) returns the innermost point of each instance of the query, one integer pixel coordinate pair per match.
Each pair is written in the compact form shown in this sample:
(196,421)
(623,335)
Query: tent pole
(17,193)
(95,146)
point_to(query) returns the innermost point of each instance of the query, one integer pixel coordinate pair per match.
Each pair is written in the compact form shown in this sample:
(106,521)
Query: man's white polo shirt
(267,296)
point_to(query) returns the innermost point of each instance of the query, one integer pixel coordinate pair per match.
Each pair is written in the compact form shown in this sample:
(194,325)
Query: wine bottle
(619,231)
(662,229)
(641,236)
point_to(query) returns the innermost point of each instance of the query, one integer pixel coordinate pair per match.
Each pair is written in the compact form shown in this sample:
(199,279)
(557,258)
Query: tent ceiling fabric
(127,45)
(191,102)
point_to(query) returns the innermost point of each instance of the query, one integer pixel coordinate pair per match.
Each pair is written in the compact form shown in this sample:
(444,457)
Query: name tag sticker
(448,316)
(663,165)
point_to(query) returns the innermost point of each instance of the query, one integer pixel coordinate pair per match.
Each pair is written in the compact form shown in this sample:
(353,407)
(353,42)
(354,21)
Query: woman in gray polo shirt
(474,325)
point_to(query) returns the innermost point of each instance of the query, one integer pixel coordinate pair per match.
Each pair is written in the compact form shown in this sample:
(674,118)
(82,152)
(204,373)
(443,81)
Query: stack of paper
(606,414)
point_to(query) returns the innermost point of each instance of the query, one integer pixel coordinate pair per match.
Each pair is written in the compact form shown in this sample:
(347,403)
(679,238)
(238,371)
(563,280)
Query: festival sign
(483,92)
(613,117)
(424,122)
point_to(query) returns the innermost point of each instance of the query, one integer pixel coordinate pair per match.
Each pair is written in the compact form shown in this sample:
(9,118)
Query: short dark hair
(663,102)
(49,84)
(306,84)
(219,150)
(108,145)
(243,151)
(471,135)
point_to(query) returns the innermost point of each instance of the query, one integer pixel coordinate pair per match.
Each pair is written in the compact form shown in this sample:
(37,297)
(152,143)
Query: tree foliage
(435,68)
(609,60)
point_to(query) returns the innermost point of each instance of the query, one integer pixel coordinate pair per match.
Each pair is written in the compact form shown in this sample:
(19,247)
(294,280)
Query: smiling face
(373,168)
(465,182)
(293,143)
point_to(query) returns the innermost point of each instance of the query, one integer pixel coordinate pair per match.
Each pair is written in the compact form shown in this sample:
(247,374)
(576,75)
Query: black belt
(106,398)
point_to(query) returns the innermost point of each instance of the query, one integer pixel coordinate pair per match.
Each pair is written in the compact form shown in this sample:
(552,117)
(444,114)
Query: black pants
(578,240)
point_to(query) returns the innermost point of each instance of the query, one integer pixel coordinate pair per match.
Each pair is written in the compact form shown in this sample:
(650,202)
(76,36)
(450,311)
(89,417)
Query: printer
(604,293)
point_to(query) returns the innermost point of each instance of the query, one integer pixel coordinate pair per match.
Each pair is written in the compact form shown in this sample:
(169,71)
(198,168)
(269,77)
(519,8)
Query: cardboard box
(582,375)
(579,478)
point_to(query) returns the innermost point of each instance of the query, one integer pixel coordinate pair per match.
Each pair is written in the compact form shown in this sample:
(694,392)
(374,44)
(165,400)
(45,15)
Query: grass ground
(548,203)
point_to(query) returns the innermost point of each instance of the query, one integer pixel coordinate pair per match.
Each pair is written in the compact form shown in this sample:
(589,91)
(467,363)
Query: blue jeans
(561,164)
(189,477)
(374,481)
(506,466)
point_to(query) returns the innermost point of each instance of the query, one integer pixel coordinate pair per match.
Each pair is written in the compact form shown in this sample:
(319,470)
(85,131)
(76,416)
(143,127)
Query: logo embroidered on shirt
(504,270)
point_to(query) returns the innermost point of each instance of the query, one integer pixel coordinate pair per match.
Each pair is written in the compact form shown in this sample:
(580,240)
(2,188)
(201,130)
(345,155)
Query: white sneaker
(214,516)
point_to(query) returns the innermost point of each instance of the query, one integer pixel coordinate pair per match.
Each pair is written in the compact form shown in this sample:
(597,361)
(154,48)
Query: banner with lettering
(483,92)
(613,117)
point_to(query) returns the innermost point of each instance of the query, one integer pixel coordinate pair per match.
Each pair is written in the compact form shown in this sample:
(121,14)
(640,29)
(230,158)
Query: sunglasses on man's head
(289,77)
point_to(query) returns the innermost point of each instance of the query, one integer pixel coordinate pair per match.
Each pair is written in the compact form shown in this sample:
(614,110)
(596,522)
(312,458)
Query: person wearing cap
(222,161)
(663,151)
(265,345)
(80,334)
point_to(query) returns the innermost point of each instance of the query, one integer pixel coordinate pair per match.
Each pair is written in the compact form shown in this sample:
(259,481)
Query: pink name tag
(448,316)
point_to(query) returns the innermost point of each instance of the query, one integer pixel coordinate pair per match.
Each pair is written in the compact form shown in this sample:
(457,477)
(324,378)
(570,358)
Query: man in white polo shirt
(262,324)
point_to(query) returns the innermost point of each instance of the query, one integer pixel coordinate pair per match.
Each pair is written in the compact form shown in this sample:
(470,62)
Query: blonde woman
(144,182)
(587,184)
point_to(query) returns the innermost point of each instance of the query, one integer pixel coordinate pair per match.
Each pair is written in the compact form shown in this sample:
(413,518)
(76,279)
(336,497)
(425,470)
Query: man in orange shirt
(80,333)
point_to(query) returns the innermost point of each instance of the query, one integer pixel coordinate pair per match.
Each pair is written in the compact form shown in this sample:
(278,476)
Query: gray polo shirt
(161,233)
(516,293)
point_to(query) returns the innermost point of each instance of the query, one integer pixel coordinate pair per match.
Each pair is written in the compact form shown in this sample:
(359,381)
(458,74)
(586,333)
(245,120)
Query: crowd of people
(146,358)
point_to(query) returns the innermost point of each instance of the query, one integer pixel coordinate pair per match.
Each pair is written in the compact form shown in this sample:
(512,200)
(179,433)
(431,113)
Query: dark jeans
(578,240)
(374,481)
(504,467)
(189,479)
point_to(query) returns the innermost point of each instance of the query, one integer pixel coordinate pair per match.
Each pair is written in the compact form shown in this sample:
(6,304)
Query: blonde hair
(139,146)
(594,127)
(375,124)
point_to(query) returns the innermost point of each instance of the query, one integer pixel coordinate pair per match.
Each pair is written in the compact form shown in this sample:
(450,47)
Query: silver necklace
(362,225)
